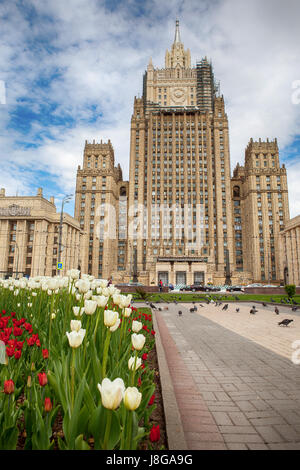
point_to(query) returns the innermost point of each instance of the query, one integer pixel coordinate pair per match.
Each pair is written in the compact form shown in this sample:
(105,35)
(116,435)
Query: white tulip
(78,297)
(110,317)
(76,311)
(52,284)
(125,301)
(116,325)
(49,292)
(73,273)
(102,300)
(53,316)
(75,338)
(83,285)
(132,398)
(138,341)
(111,393)
(90,307)
(29,304)
(136,326)
(103,283)
(88,294)
(34,294)
(16,292)
(105,292)
(131,363)
(127,312)
(116,299)
(75,325)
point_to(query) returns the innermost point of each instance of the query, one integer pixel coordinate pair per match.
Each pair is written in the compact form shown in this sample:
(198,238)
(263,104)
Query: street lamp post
(65,200)
(17,260)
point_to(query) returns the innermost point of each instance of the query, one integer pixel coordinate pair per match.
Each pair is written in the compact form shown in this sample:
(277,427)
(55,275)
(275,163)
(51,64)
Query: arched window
(236,191)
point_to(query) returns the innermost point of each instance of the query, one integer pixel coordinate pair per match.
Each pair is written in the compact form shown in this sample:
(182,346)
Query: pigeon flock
(285,322)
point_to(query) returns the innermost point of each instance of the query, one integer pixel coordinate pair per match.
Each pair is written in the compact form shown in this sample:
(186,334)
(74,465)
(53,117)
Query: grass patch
(202,297)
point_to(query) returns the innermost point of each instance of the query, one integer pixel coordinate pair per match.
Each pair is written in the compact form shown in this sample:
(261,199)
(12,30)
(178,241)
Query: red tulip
(48,405)
(45,353)
(151,401)
(144,356)
(153,332)
(9,386)
(17,354)
(10,351)
(42,379)
(17,331)
(154,433)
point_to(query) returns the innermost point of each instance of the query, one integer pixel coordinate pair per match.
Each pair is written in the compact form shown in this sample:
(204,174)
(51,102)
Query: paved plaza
(235,384)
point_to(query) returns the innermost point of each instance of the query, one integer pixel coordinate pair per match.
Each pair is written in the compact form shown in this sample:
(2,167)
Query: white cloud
(99,56)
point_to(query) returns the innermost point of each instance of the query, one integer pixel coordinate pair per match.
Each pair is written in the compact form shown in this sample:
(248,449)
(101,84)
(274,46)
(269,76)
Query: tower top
(177,57)
(177,33)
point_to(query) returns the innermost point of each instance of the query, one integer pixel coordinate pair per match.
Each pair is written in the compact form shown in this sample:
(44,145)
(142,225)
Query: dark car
(235,289)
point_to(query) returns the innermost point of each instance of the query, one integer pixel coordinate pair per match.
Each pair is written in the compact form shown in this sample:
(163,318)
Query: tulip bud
(138,341)
(90,307)
(75,338)
(9,387)
(132,398)
(127,312)
(155,433)
(136,326)
(111,393)
(42,379)
(131,363)
(110,317)
(29,381)
(76,311)
(75,325)
(48,405)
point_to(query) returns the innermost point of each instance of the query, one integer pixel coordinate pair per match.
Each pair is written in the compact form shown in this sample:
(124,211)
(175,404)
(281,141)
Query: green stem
(105,352)
(134,367)
(96,326)
(72,379)
(107,430)
(129,431)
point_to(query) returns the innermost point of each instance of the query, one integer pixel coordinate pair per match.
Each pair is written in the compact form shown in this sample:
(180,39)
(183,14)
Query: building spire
(177,33)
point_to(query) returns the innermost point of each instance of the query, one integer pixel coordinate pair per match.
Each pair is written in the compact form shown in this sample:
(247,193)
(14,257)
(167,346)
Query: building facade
(101,209)
(29,237)
(290,246)
(181,217)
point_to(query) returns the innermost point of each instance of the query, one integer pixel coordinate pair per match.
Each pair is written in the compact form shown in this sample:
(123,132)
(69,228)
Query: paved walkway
(232,389)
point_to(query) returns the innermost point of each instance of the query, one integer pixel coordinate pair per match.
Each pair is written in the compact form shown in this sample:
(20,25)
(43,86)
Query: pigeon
(192,310)
(294,309)
(180,313)
(237,309)
(200,305)
(276,311)
(264,304)
(225,307)
(153,306)
(236,297)
(272,300)
(285,322)
(175,302)
(253,311)
(159,309)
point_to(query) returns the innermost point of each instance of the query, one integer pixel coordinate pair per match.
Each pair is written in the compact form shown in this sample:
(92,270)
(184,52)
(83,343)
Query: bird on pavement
(192,310)
(276,311)
(237,309)
(200,305)
(294,309)
(152,306)
(253,311)
(264,304)
(225,307)
(285,322)
(180,313)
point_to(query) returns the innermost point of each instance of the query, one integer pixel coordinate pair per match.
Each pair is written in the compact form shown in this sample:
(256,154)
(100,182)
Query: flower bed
(76,368)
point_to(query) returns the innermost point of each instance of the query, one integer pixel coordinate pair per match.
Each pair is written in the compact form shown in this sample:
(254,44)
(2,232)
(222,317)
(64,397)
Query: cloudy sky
(69,71)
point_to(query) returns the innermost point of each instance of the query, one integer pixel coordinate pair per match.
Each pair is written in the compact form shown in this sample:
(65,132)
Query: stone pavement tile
(232,429)
(229,387)
(236,446)
(225,408)
(285,446)
(261,405)
(222,396)
(238,418)
(257,446)
(197,445)
(291,416)
(270,421)
(242,438)
(283,404)
(288,432)
(221,418)
(198,427)
(204,436)
(210,387)
(262,414)
(208,396)
(245,405)
(269,434)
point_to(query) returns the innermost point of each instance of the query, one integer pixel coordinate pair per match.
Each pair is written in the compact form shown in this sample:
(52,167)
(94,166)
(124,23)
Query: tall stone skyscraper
(179,181)
(181,217)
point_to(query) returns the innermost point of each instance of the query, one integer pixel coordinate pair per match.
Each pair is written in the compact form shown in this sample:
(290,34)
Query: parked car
(171,287)
(235,289)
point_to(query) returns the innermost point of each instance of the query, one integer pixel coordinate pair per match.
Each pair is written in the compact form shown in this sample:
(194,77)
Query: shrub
(290,289)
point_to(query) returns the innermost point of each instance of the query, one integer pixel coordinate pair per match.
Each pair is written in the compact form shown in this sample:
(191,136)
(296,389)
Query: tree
(290,289)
